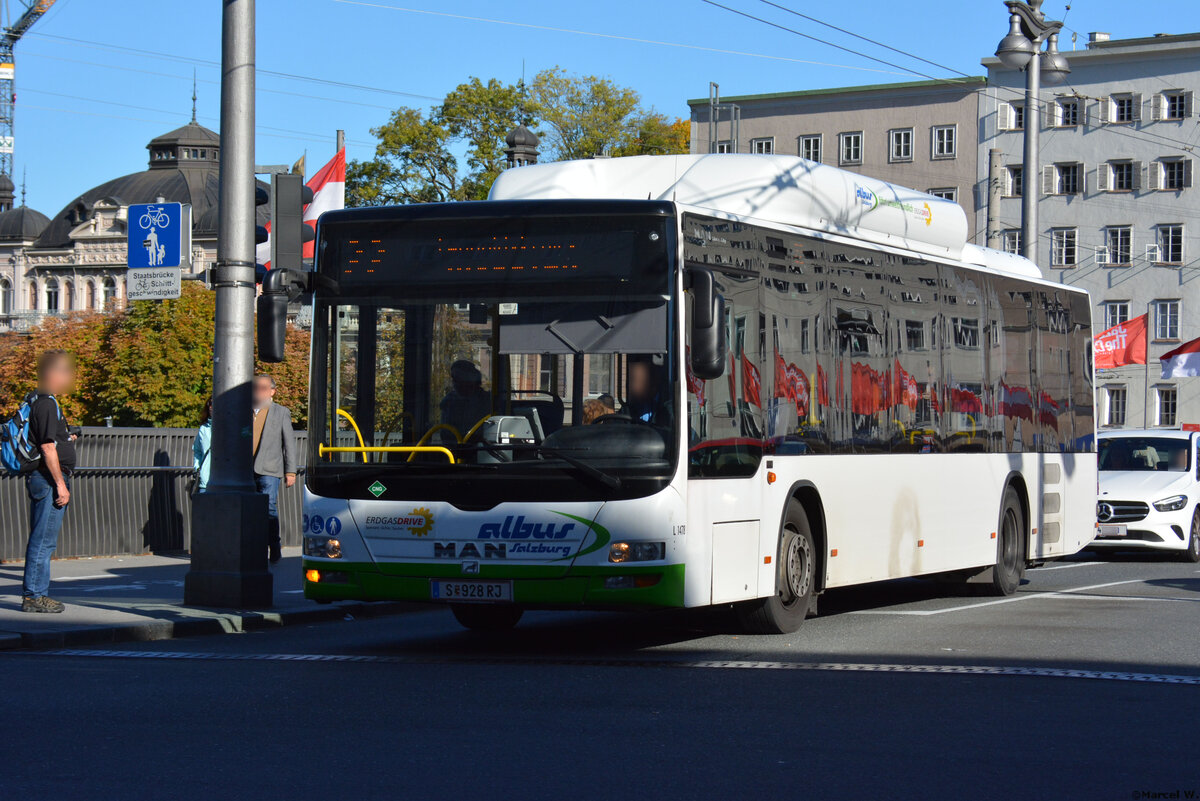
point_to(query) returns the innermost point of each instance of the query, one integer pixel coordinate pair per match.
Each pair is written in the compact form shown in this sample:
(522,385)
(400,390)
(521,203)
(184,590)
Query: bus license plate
(1113,531)
(470,591)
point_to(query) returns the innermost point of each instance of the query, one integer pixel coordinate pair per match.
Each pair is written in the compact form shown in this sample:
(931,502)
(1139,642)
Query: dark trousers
(269,486)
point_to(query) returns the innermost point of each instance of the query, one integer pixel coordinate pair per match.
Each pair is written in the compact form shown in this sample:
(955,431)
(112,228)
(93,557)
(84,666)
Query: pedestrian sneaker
(42,603)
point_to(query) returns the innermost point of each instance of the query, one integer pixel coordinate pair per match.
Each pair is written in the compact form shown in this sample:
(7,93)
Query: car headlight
(325,547)
(636,551)
(1172,504)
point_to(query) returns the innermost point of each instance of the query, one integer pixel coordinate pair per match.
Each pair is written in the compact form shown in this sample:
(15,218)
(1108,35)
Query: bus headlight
(324,547)
(1172,504)
(636,551)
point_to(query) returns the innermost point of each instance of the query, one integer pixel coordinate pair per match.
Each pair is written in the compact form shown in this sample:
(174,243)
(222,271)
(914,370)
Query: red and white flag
(1121,344)
(1182,362)
(329,194)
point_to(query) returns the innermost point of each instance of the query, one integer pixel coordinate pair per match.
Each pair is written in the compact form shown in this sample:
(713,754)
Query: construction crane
(9,36)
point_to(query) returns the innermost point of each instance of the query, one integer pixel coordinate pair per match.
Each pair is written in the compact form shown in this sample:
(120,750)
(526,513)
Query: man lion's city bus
(680,381)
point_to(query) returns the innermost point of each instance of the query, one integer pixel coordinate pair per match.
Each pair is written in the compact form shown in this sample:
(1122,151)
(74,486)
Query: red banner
(822,387)
(751,382)
(792,383)
(695,385)
(908,391)
(1122,344)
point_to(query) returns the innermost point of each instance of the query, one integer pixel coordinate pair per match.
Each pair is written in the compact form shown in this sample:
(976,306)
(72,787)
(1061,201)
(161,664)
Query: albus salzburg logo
(866,197)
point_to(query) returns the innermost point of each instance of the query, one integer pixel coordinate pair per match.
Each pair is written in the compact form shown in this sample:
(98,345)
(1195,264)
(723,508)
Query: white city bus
(682,381)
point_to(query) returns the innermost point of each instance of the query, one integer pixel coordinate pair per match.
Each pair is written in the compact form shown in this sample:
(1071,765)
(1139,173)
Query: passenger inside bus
(595,408)
(466,403)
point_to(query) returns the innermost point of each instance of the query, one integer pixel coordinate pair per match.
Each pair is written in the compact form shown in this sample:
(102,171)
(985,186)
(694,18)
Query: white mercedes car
(1149,489)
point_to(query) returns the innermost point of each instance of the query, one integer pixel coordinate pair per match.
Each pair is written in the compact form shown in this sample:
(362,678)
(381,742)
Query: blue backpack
(17,452)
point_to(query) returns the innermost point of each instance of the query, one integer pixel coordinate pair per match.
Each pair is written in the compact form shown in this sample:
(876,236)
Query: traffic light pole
(229,520)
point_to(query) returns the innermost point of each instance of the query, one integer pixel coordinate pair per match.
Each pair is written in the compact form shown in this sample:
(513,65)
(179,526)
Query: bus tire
(1010,545)
(487,617)
(795,580)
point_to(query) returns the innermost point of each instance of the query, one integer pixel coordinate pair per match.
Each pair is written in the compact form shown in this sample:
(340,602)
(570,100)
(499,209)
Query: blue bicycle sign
(157,235)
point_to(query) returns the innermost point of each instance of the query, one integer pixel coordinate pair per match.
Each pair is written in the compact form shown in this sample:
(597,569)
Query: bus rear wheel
(486,617)
(1010,546)
(795,581)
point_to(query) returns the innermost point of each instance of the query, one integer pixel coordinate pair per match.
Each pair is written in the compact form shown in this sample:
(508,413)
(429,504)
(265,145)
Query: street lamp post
(1022,49)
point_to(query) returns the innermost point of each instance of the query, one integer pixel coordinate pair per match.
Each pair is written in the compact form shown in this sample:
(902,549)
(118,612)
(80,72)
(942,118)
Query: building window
(1119,242)
(914,335)
(33,296)
(1166,319)
(805,336)
(1012,241)
(1173,174)
(1114,412)
(763,147)
(91,295)
(69,296)
(851,148)
(1166,403)
(1115,313)
(1064,247)
(52,294)
(1062,179)
(900,145)
(6,296)
(1174,104)
(599,374)
(1067,113)
(1122,176)
(945,141)
(1012,116)
(724,147)
(1124,108)
(1014,180)
(810,147)
(110,294)
(948,193)
(1170,244)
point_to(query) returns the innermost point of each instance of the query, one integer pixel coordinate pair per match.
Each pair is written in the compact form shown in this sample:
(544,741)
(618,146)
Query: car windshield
(1144,454)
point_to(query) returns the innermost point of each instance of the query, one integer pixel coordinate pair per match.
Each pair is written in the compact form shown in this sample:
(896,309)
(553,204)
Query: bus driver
(467,402)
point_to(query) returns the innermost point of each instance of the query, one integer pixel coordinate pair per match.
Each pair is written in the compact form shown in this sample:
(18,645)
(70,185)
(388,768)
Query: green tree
(480,115)
(583,116)
(412,164)
(158,361)
(656,134)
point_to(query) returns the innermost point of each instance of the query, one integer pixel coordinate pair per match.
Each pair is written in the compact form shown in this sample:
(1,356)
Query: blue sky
(88,100)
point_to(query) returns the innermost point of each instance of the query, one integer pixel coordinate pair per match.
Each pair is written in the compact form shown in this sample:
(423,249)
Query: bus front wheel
(485,617)
(1010,546)
(795,580)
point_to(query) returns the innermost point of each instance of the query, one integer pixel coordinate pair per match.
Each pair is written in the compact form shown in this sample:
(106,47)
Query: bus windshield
(494,388)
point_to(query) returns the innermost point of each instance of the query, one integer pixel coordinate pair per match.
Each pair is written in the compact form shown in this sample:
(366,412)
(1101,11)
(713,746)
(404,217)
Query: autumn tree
(85,336)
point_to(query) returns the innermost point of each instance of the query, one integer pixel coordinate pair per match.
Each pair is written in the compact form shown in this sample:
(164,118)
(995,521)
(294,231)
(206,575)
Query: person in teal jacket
(202,449)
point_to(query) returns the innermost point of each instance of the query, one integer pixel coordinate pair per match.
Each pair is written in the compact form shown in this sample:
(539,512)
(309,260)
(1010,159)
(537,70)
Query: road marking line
(58,580)
(1023,597)
(1068,565)
(844,667)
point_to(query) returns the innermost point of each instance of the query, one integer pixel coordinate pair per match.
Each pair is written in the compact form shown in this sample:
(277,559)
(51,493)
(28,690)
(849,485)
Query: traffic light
(262,234)
(289,196)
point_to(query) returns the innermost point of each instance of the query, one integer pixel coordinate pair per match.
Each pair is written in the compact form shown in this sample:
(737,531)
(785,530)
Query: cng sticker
(376,489)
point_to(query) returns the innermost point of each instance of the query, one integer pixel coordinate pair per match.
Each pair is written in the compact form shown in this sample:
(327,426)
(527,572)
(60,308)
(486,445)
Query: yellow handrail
(357,431)
(429,434)
(475,428)
(323,449)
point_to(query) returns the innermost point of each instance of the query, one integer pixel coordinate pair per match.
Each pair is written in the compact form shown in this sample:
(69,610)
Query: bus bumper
(645,586)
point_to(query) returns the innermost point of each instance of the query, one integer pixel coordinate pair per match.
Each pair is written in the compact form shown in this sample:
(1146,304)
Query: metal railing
(129,495)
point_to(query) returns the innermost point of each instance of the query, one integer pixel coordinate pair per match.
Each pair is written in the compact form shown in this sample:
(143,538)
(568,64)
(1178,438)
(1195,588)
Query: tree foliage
(148,365)
(417,159)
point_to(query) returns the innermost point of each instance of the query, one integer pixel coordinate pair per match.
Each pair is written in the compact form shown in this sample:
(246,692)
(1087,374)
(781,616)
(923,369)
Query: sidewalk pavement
(141,598)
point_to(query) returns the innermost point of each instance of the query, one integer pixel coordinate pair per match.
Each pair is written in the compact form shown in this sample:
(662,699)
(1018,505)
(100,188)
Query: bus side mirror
(708,326)
(279,287)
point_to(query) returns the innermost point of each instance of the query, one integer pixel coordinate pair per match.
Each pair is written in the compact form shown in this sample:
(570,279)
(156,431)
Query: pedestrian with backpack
(47,476)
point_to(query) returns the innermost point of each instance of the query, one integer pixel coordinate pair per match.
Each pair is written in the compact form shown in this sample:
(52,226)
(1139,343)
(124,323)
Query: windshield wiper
(591,471)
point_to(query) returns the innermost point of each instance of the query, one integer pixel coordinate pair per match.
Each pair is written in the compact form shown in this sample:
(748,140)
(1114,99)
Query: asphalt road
(1084,685)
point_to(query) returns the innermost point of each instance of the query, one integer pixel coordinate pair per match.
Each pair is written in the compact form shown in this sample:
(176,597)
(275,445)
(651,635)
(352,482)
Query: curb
(221,623)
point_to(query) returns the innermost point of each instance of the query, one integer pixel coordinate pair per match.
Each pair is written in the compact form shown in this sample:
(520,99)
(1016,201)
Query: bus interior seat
(549,413)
